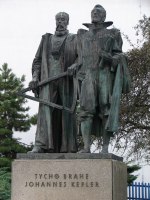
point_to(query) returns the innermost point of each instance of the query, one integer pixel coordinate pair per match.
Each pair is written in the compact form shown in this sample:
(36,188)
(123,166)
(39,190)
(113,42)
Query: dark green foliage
(12,111)
(33,119)
(130,170)
(5,183)
(5,162)
(13,115)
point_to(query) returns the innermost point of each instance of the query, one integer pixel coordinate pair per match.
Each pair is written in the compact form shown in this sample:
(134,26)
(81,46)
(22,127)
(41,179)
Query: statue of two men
(101,73)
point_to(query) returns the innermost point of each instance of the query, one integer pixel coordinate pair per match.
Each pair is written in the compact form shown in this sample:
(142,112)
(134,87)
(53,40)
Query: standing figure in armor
(104,76)
(56,53)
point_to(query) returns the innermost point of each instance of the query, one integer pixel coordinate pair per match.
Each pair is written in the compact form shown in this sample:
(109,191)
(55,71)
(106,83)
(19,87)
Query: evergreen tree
(13,116)
(5,183)
(130,170)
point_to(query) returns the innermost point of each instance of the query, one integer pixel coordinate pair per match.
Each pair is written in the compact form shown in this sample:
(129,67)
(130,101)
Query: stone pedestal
(69,177)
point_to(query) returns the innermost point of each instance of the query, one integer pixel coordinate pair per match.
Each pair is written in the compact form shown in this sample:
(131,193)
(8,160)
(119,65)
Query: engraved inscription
(61,181)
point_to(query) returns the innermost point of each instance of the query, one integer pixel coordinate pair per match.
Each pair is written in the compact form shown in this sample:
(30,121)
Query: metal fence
(139,191)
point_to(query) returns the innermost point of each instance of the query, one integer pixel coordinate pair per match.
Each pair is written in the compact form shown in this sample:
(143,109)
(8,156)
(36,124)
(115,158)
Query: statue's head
(62,21)
(98,14)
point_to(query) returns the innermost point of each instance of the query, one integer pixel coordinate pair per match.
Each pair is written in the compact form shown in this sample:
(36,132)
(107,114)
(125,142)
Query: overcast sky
(23,22)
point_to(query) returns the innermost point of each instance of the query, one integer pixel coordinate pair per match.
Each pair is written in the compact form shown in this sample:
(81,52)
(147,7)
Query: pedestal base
(65,179)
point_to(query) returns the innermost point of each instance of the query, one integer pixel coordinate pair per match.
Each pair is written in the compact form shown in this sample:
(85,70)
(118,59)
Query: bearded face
(61,22)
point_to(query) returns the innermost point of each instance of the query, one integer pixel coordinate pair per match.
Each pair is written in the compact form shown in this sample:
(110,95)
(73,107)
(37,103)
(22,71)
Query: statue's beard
(61,28)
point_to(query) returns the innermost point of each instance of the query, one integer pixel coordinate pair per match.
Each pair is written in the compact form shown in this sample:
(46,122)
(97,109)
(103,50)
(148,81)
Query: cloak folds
(56,130)
(121,84)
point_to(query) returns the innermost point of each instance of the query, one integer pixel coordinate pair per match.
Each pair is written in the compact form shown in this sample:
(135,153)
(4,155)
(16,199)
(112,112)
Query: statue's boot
(86,127)
(106,139)
(37,149)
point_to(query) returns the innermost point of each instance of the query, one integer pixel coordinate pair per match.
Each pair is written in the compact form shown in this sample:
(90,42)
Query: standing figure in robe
(56,129)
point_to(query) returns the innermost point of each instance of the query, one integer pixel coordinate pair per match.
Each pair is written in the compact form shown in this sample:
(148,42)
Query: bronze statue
(101,77)
(104,76)
(56,129)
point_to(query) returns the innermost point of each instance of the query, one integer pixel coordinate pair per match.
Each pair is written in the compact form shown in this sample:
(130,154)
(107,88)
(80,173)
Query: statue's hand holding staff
(72,70)
(33,86)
